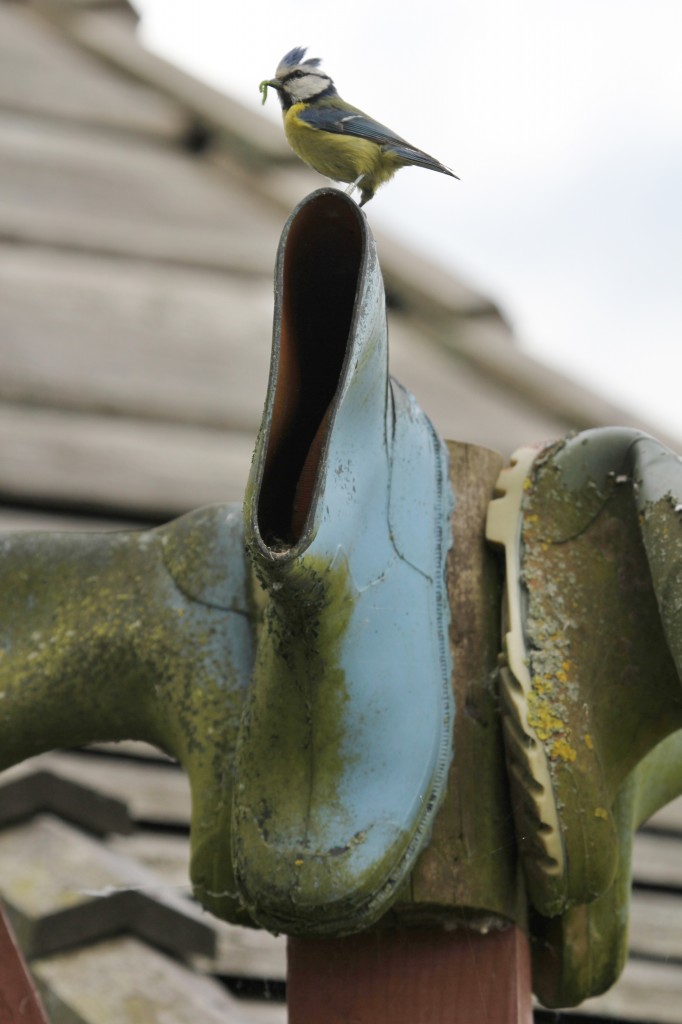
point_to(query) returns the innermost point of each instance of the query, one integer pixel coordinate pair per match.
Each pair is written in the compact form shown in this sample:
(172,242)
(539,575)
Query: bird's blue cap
(295,57)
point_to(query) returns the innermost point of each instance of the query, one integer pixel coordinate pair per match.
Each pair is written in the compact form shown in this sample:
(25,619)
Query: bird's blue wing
(344,121)
(350,121)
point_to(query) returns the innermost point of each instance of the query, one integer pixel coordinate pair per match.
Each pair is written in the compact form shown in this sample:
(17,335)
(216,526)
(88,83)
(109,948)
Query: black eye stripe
(302,73)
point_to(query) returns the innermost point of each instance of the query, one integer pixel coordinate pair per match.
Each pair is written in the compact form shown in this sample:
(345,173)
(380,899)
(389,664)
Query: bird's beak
(274,83)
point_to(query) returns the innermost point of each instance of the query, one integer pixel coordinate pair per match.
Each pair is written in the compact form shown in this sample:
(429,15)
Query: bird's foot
(354,184)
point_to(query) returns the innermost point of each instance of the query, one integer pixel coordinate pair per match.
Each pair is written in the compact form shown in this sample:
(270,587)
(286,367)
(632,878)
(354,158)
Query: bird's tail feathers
(420,159)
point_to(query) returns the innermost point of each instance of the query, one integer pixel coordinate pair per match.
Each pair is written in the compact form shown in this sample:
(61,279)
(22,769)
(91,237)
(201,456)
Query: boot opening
(322,263)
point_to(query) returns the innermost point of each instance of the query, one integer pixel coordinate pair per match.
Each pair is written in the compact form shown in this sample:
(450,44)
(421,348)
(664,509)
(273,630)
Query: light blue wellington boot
(346,741)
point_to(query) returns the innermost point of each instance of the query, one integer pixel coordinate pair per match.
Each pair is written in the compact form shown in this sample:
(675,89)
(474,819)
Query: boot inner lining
(321,269)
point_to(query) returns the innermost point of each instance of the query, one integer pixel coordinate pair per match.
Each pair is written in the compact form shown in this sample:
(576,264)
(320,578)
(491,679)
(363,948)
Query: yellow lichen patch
(545,716)
(542,718)
(589,742)
(562,750)
(601,812)
(542,685)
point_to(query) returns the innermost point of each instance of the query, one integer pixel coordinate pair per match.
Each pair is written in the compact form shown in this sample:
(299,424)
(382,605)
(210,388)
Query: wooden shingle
(61,888)
(138,791)
(122,980)
(43,73)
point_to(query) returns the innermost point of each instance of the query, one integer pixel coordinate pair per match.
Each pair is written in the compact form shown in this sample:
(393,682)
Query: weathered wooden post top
(421,760)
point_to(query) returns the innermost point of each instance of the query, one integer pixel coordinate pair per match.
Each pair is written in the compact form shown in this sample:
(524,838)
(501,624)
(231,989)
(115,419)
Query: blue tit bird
(333,137)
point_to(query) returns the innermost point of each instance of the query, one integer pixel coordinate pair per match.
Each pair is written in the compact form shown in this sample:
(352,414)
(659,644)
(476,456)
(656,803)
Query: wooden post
(18,997)
(438,970)
(411,976)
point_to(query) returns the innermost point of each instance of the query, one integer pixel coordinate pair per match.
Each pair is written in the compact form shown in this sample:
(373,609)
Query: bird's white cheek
(306,88)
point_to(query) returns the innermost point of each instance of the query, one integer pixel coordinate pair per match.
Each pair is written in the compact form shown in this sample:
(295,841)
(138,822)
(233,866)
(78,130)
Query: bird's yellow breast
(340,157)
